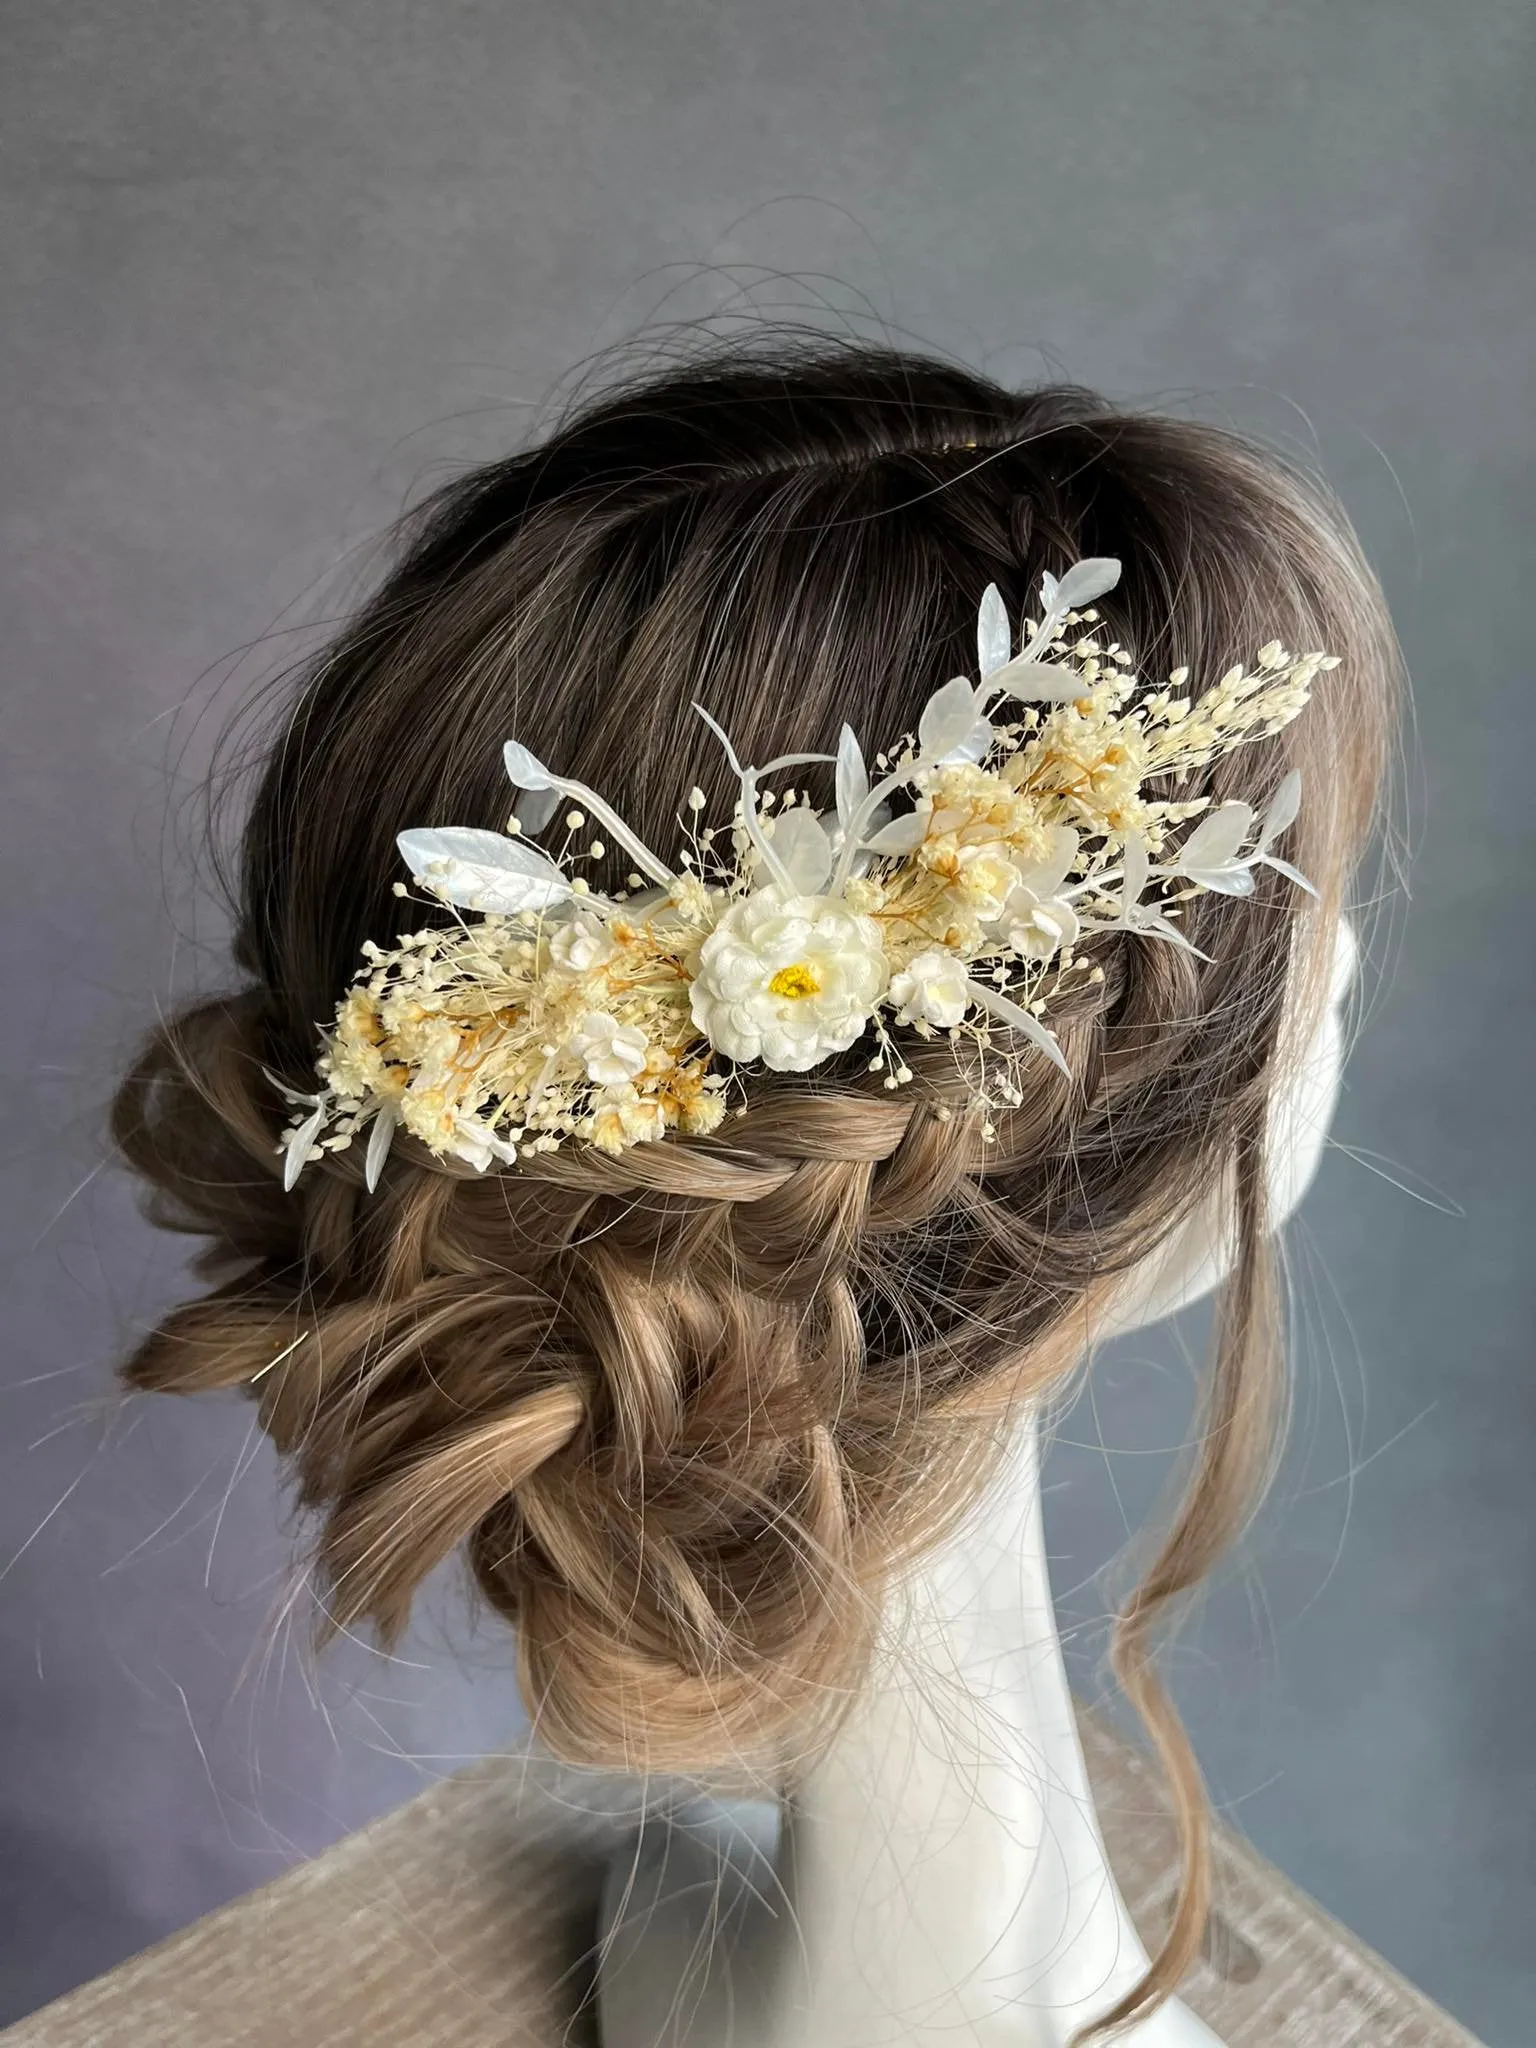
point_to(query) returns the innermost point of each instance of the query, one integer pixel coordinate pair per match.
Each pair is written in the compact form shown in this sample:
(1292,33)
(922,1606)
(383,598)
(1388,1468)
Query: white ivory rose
(788,979)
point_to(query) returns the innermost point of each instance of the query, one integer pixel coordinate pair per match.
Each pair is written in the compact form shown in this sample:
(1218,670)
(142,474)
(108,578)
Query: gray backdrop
(268,267)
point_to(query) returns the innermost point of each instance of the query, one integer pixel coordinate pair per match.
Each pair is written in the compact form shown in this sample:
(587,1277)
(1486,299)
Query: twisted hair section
(689,1412)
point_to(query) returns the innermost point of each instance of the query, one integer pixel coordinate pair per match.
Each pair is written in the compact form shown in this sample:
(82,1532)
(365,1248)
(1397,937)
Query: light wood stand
(465,1920)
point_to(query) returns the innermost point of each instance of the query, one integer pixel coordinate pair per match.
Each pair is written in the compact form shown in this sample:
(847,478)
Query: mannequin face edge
(1195,1260)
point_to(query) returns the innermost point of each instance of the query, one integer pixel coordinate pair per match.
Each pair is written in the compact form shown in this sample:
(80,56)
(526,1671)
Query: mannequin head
(689,1409)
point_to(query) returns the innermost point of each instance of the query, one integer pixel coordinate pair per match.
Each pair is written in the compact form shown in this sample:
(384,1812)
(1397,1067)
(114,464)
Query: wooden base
(465,1920)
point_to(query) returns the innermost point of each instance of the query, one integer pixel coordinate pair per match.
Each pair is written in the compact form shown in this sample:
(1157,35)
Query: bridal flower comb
(953,892)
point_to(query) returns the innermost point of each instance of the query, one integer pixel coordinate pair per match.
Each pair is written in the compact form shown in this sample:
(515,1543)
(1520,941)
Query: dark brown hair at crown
(691,1409)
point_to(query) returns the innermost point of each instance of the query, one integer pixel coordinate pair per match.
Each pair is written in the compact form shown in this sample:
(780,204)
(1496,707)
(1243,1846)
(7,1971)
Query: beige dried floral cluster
(953,893)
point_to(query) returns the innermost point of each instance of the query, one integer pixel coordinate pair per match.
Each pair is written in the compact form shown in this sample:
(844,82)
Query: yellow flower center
(794,981)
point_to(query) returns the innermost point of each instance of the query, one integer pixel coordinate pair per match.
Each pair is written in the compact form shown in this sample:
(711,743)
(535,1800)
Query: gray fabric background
(267,269)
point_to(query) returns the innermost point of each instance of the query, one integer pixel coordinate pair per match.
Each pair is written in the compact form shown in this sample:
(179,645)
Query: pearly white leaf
(1283,809)
(296,1149)
(380,1138)
(975,745)
(1020,1020)
(1036,682)
(1085,581)
(290,1094)
(1231,881)
(536,807)
(1283,867)
(852,776)
(901,835)
(526,769)
(1215,840)
(483,870)
(804,850)
(994,641)
(483,849)
(948,718)
(1151,924)
(1048,591)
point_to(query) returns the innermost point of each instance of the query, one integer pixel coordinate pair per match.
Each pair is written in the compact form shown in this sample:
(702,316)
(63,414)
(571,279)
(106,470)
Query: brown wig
(691,1409)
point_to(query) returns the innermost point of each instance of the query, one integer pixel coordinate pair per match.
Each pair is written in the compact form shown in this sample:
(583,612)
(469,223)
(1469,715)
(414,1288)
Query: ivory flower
(612,1053)
(477,1145)
(788,979)
(1039,922)
(1040,929)
(583,944)
(931,989)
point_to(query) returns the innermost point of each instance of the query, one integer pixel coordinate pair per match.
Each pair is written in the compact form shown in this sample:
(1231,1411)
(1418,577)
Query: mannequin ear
(1195,1260)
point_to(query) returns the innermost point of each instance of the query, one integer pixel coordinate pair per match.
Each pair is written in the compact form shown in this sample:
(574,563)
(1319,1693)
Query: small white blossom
(612,1053)
(931,989)
(479,1146)
(1038,919)
(582,944)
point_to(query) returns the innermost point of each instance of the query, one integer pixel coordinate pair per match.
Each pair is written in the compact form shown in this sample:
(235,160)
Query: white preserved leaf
(1283,867)
(974,747)
(852,776)
(1085,581)
(1151,924)
(1215,841)
(380,1138)
(1137,865)
(804,850)
(1284,808)
(526,769)
(994,641)
(1036,682)
(290,1094)
(483,870)
(901,835)
(297,1148)
(1045,879)
(536,807)
(469,843)
(948,718)
(1233,881)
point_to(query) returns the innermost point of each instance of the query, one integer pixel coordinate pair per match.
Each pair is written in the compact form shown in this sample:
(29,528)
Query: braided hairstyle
(691,1409)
